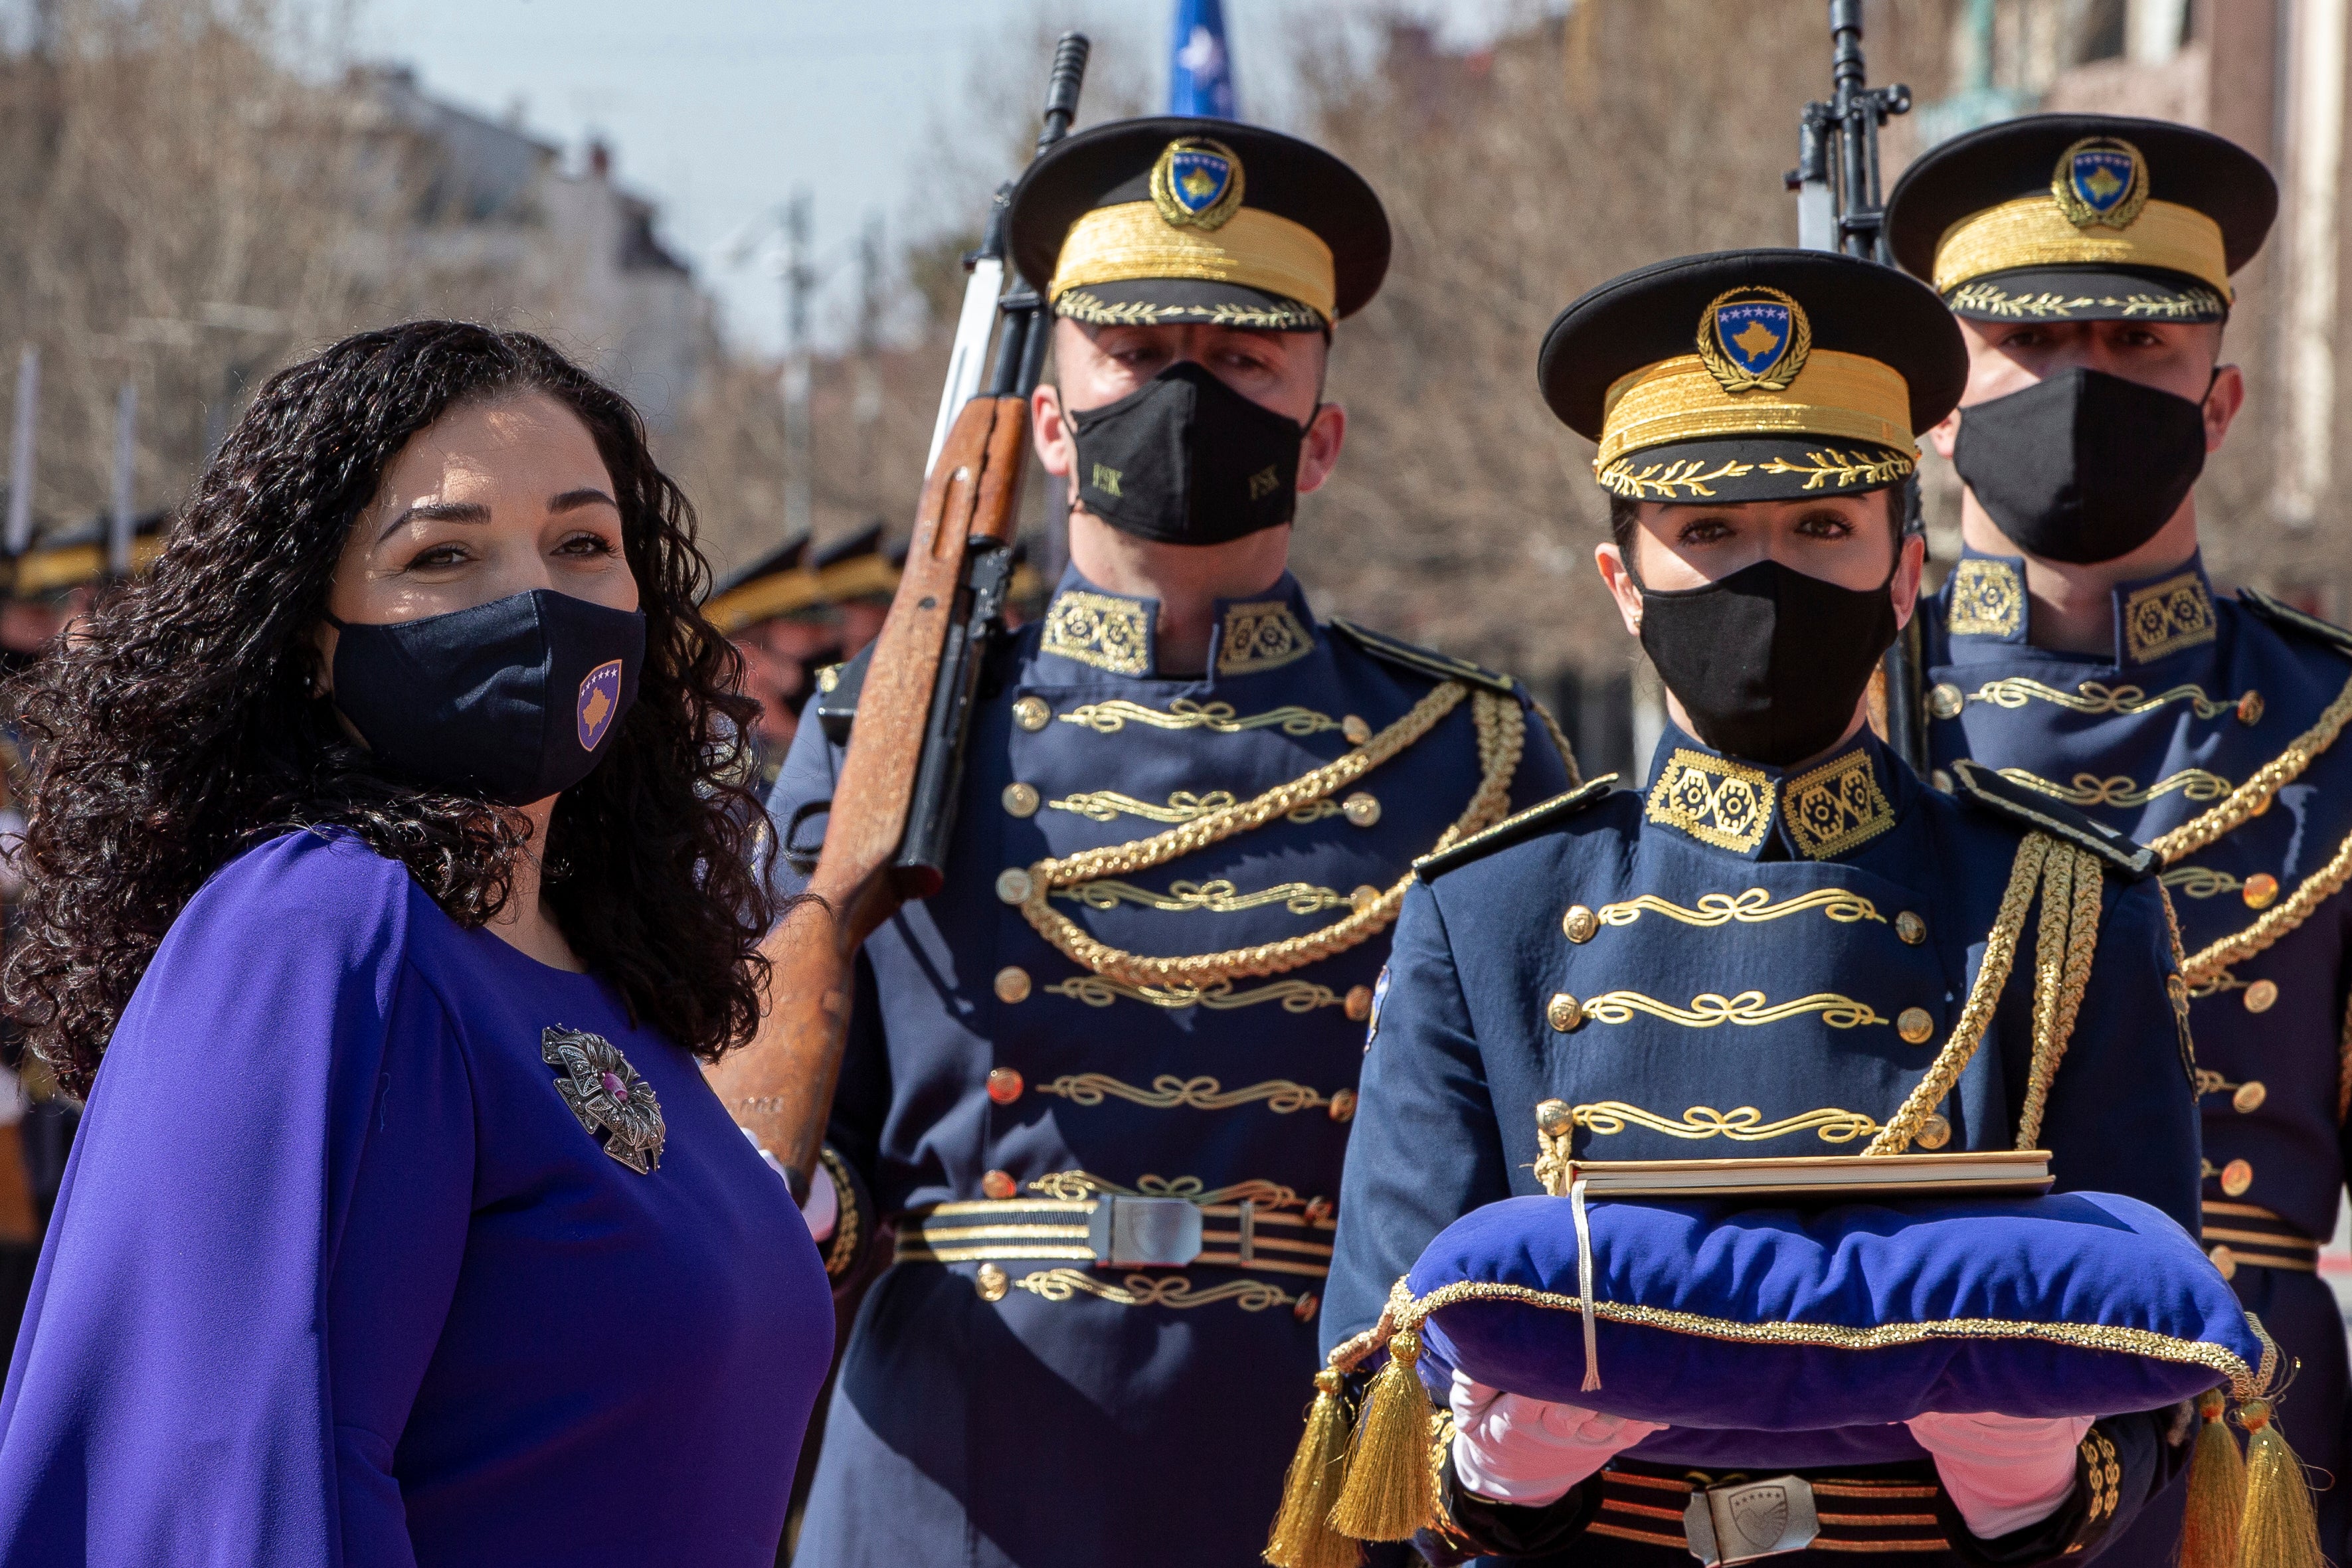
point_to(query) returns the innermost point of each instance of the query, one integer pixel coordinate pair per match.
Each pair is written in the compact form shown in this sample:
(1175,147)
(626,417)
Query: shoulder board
(2294,622)
(1514,829)
(1421,661)
(837,687)
(1987,790)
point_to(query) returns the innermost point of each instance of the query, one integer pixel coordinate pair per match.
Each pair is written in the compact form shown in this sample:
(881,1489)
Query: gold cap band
(786,591)
(2031,232)
(1846,395)
(1254,249)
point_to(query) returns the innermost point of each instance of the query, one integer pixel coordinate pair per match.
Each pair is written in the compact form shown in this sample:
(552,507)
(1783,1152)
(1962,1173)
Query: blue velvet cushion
(1796,1336)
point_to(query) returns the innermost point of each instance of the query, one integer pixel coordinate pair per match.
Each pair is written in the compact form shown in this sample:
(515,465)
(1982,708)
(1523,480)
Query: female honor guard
(1785,944)
(2079,648)
(1101,1082)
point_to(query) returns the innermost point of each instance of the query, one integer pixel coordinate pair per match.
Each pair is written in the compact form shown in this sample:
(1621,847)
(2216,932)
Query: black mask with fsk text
(2085,467)
(1768,662)
(1186,460)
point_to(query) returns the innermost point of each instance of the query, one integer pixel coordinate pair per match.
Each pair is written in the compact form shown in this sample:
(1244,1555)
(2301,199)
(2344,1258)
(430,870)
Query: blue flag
(1199,70)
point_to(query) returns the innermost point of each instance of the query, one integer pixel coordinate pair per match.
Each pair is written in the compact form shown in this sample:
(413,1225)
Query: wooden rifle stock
(780,1085)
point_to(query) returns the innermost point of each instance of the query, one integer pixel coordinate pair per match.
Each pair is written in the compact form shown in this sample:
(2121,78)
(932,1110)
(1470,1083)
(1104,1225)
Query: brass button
(2250,1097)
(1303,1309)
(2261,995)
(1318,1211)
(1939,781)
(1021,800)
(1003,1086)
(1013,884)
(1361,808)
(999,1184)
(1343,1105)
(1563,1012)
(2249,709)
(2259,890)
(1946,701)
(1914,1025)
(1934,1133)
(1911,928)
(1013,984)
(1364,897)
(989,1284)
(1031,714)
(828,678)
(1580,923)
(1554,1118)
(1359,1004)
(2224,1260)
(2236,1178)
(1356,729)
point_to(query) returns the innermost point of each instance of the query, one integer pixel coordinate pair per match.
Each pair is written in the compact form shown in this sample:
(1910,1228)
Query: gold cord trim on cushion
(1502,735)
(2031,232)
(1849,396)
(1252,249)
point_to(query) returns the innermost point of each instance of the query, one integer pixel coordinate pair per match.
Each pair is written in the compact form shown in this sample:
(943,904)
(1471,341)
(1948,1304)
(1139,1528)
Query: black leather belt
(1736,1519)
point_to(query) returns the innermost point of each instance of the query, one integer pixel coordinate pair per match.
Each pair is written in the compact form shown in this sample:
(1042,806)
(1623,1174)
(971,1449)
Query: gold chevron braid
(1168,1093)
(2065,945)
(1143,1291)
(2089,789)
(2096,697)
(1218,898)
(1747,1008)
(2275,922)
(1295,995)
(1502,737)
(2252,797)
(1976,1014)
(1183,806)
(1746,1125)
(1752,907)
(1217,718)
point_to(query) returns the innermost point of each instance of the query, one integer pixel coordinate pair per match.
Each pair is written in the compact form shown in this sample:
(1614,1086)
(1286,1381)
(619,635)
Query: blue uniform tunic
(1745,962)
(1006,1396)
(339,1276)
(2201,697)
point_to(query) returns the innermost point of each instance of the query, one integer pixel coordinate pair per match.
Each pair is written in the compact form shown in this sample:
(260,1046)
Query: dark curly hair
(181,725)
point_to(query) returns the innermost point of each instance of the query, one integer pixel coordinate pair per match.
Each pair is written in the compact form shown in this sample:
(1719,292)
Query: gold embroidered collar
(1103,630)
(1261,634)
(2155,620)
(1829,810)
(1986,595)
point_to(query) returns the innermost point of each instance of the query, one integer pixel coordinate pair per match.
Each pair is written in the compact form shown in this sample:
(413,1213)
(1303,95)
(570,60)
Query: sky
(718,109)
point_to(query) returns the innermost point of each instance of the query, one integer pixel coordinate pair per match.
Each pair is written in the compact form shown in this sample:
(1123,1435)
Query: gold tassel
(2217,1490)
(2280,1529)
(1302,1536)
(1389,1491)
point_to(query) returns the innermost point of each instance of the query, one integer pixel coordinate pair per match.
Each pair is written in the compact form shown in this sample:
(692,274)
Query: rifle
(892,811)
(1839,208)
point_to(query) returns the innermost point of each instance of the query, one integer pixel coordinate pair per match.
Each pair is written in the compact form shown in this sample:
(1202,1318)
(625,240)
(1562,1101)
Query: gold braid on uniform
(1560,740)
(1502,736)
(1976,1016)
(2068,941)
(2274,923)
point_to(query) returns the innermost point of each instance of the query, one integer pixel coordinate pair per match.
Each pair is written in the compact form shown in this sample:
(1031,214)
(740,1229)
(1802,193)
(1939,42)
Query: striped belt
(1736,1519)
(1117,1232)
(2242,1235)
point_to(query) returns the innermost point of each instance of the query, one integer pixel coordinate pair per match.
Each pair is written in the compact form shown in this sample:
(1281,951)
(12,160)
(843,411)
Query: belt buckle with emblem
(1741,1522)
(1144,1233)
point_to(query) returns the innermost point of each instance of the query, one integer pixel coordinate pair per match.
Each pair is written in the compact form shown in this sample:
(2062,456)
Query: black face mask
(514,700)
(2085,467)
(1768,662)
(1186,460)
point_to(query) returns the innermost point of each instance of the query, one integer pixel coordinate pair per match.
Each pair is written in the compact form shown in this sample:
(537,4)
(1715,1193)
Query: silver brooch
(606,1092)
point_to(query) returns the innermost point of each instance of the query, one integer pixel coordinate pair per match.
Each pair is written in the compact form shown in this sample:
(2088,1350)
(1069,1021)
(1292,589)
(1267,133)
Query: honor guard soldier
(1099,1085)
(2079,648)
(1784,944)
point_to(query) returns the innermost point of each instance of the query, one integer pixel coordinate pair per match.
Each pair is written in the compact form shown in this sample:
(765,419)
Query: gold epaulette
(1422,661)
(1987,790)
(1514,829)
(2288,619)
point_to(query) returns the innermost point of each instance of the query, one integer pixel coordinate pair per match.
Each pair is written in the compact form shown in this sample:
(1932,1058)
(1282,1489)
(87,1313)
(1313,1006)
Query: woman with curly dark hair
(384,883)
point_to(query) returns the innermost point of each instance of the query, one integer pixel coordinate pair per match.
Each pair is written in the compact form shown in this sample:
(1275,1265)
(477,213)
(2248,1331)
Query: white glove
(1510,1449)
(2003,1472)
(822,1209)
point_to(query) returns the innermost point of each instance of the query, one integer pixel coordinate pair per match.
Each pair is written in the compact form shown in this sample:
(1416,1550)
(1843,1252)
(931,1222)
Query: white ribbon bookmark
(1584,1285)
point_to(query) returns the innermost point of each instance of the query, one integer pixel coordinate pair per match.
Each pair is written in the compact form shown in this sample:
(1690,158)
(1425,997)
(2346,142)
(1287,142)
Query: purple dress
(339,1276)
